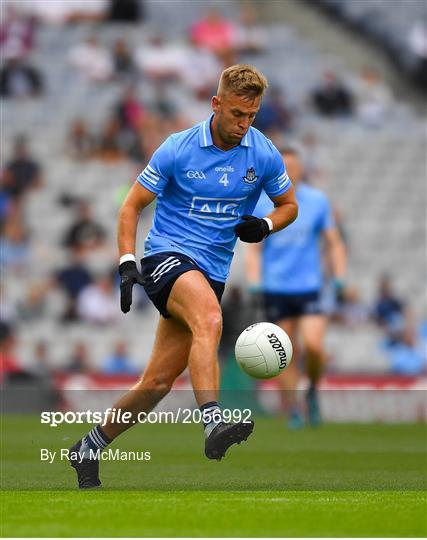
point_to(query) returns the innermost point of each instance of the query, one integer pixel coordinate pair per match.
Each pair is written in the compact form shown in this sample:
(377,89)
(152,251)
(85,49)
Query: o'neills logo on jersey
(228,168)
(200,175)
(251,176)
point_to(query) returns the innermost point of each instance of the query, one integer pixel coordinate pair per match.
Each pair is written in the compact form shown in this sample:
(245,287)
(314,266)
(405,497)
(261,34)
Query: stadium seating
(375,177)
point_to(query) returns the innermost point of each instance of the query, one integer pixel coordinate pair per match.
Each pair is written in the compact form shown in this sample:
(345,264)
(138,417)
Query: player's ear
(216,102)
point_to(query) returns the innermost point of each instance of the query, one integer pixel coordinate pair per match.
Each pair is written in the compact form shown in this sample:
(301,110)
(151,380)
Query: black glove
(129,275)
(252,229)
(340,292)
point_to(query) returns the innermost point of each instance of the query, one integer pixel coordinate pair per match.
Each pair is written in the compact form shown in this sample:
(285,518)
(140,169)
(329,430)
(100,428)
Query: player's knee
(160,385)
(314,350)
(209,324)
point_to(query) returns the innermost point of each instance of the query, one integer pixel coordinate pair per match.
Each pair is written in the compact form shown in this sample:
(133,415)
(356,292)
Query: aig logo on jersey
(199,175)
(215,208)
(251,176)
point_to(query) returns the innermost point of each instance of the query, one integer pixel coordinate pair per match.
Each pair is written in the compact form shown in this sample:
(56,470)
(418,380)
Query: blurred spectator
(373,98)
(22,173)
(274,113)
(130,11)
(112,144)
(124,65)
(388,310)
(92,60)
(34,305)
(72,279)
(251,38)
(159,59)
(8,312)
(9,362)
(40,364)
(79,361)
(81,143)
(6,201)
(417,42)
(130,110)
(19,79)
(403,356)
(98,302)
(75,11)
(85,233)
(16,33)
(200,71)
(87,11)
(331,97)
(119,362)
(216,34)
(14,243)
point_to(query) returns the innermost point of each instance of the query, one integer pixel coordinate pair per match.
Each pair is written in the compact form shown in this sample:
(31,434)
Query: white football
(263,350)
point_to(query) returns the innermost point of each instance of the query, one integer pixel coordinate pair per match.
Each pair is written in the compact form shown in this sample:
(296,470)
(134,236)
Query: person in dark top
(85,233)
(131,11)
(22,172)
(19,79)
(331,97)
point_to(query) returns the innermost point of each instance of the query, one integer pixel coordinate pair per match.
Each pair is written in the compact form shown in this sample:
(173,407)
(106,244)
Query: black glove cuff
(266,228)
(127,266)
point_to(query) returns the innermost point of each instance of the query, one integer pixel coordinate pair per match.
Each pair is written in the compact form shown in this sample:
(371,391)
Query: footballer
(288,269)
(207,180)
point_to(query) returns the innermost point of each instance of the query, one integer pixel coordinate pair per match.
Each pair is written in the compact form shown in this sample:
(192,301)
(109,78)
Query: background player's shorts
(160,271)
(286,306)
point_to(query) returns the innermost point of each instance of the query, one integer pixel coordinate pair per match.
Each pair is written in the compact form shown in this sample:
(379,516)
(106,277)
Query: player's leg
(288,379)
(313,329)
(168,360)
(193,301)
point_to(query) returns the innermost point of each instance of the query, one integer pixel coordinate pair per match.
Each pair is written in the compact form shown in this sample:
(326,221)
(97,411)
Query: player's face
(234,115)
(294,166)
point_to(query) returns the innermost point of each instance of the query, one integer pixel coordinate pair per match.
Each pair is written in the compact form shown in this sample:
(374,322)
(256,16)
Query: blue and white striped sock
(211,416)
(94,440)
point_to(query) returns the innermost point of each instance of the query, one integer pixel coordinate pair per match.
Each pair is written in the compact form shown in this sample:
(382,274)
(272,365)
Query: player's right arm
(137,199)
(149,184)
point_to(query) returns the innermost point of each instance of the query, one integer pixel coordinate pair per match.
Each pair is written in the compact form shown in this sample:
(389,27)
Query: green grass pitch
(338,480)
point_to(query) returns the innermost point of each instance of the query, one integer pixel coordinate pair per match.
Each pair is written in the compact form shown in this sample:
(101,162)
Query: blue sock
(94,440)
(211,416)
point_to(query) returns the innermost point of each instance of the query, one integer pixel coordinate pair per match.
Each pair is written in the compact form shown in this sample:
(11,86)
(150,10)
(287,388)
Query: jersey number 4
(224,180)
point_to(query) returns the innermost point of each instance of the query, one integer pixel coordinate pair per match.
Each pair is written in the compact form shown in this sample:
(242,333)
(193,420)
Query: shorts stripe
(161,265)
(166,269)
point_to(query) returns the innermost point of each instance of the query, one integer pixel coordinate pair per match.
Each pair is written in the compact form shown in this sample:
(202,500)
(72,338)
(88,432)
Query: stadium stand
(374,174)
(400,27)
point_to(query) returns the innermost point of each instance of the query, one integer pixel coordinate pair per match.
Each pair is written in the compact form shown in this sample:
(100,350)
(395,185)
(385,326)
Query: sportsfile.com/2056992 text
(180,415)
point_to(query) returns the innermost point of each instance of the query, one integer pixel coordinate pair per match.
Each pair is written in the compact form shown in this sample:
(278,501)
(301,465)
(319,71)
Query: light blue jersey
(204,191)
(291,258)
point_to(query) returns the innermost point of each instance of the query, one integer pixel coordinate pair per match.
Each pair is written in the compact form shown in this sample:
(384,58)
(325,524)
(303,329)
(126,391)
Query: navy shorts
(287,306)
(160,271)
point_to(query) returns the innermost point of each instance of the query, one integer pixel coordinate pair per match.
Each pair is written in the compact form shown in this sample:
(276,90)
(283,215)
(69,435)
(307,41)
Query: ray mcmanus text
(110,454)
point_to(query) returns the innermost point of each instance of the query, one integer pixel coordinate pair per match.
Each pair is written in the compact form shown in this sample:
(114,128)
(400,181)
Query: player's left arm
(285,210)
(337,253)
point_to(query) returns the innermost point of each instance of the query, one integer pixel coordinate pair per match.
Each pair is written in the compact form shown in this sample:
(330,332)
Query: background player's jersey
(291,258)
(203,192)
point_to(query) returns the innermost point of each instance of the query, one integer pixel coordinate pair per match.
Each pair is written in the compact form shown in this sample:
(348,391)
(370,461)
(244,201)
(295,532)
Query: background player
(207,180)
(287,267)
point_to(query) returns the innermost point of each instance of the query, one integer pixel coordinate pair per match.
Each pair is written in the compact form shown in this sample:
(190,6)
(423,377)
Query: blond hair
(242,79)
